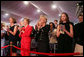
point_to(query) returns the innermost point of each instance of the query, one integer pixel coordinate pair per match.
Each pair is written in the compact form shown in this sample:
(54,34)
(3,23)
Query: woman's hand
(8,29)
(38,26)
(20,29)
(64,29)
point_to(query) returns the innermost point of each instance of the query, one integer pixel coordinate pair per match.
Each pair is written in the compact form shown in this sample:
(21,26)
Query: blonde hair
(43,17)
(27,19)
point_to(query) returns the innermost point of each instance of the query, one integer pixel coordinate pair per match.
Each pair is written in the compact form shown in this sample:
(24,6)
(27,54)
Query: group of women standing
(64,35)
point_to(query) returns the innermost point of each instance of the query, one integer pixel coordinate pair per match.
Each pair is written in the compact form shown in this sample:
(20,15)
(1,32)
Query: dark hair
(14,20)
(80,14)
(56,20)
(52,24)
(67,17)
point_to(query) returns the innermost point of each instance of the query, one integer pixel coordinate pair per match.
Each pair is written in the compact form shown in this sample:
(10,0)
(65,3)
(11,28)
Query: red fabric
(26,40)
(52,54)
(56,54)
(5,46)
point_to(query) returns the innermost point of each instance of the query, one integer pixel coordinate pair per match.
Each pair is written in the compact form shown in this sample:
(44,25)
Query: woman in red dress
(25,38)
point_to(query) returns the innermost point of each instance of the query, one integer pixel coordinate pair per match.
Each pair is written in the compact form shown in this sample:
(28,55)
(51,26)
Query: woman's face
(10,20)
(25,22)
(51,25)
(63,17)
(55,22)
(42,19)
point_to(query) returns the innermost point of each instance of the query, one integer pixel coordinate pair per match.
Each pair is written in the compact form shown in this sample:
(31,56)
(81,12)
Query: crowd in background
(66,36)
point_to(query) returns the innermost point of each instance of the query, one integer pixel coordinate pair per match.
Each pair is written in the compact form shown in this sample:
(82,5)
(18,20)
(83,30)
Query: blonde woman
(42,33)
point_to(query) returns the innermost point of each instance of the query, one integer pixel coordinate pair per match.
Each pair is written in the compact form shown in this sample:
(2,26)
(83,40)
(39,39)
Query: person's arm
(58,30)
(14,32)
(71,31)
(7,33)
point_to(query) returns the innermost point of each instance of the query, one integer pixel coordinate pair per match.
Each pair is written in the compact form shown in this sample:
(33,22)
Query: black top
(65,41)
(43,39)
(67,26)
(12,37)
(42,34)
(79,33)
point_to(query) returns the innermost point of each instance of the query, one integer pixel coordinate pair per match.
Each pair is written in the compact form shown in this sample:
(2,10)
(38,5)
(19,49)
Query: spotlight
(77,4)
(54,6)
(38,10)
(26,2)
(6,14)
(59,14)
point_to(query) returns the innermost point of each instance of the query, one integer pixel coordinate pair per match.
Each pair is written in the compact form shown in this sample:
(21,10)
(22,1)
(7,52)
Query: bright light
(38,10)
(59,14)
(77,4)
(26,2)
(54,6)
(6,14)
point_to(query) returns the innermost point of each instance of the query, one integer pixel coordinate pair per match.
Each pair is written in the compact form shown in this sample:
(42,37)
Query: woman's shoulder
(30,26)
(71,23)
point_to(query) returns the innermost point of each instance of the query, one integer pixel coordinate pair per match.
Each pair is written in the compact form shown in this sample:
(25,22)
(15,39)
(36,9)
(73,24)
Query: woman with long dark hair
(65,34)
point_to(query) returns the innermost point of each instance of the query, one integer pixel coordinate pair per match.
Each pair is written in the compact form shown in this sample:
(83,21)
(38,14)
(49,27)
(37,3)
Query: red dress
(26,40)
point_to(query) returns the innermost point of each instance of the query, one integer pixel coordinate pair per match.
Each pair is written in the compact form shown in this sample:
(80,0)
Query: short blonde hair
(43,16)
